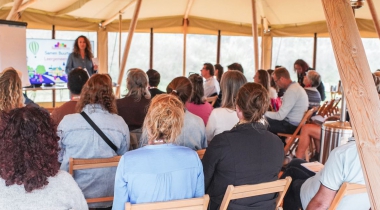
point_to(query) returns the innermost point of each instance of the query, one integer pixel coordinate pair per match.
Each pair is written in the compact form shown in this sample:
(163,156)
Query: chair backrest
(346,189)
(244,191)
(185,204)
(201,153)
(328,109)
(305,118)
(212,100)
(79,164)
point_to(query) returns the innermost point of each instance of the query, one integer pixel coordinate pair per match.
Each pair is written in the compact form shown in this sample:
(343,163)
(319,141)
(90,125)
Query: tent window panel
(200,49)
(326,64)
(286,51)
(167,57)
(38,34)
(372,51)
(138,56)
(72,35)
(239,49)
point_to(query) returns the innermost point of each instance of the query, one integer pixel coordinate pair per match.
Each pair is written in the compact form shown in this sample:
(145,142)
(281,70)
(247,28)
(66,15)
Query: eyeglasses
(275,81)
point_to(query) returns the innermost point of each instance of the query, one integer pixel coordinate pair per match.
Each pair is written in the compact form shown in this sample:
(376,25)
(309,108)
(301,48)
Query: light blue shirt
(79,140)
(157,173)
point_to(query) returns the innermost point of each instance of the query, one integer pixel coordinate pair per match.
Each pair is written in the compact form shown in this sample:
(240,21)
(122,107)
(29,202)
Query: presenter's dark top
(247,154)
(75,61)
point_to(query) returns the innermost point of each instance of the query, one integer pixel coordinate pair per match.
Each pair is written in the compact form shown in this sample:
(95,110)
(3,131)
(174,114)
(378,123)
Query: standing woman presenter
(81,56)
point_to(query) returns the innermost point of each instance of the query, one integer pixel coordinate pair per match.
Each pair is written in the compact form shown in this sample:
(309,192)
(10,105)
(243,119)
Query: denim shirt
(192,134)
(79,140)
(74,61)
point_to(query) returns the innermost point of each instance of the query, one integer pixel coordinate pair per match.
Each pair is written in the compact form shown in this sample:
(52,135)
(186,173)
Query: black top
(155,91)
(133,112)
(247,154)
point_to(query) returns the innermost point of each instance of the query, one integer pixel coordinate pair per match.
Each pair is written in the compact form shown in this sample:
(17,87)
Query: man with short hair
(154,79)
(236,66)
(294,104)
(76,79)
(210,85)
(317,190)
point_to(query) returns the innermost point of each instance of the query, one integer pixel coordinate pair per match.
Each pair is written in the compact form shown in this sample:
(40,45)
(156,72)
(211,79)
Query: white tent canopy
(285,18)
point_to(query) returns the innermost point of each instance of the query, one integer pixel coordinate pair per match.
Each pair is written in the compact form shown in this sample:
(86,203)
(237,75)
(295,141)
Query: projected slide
(46,60)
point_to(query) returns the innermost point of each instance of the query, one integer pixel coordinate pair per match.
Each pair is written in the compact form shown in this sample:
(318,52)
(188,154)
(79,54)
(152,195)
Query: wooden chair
(244,191)
(201,153)
(291,138)
(346,189)
(185,204)
(79,164)
(212,100)
(328,109)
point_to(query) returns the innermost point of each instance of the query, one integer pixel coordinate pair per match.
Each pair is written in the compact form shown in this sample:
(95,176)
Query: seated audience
(197,104)
(78,139)
(313,131)
(10,90)
(301,67)
(280,92)
(154,79)
(218,72)
(76,79)
(247,154)
(210,85)
(193,130)
(236,66)
(29,172)
(311,81)
(162,170)
(133,107)
(224,118)
(294,104)
(262,77)
(311,190)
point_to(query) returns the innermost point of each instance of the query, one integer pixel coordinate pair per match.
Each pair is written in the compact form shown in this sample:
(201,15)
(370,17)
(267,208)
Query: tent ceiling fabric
(232,17)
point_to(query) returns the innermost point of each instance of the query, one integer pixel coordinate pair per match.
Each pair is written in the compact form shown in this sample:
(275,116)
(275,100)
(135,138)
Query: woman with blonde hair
(224,118)
(162,170)
(247,154)
(79,139)
(10,90)
(133,107)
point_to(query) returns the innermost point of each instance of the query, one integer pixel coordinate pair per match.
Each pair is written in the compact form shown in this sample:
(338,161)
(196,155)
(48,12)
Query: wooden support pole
(266,52)
(362,98)
(262,44)
(218,48)
(120,20)
(315,51)
(151,49)
(374,16)
(184,47)
(13,15)
(53,32)
(131,31)
(255,36)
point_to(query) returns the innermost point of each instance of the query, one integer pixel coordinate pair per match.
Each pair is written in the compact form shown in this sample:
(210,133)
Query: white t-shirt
(211,86)
(272,93)
(221,119)
(343,165)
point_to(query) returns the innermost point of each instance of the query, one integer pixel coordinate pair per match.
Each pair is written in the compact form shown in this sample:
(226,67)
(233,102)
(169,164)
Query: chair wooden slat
(346,189)
(184,204)
(201,153)
(212,100)
(244,191)
(79,164)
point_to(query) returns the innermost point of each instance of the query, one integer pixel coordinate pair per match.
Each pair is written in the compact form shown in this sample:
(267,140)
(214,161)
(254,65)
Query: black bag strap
(97,129)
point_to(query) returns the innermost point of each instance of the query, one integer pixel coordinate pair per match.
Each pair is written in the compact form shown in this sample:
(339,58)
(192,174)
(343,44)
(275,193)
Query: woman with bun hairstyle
(197,104)
(245,155)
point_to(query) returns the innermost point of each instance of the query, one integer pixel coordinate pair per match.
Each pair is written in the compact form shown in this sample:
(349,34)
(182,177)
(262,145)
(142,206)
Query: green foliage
(40,69)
